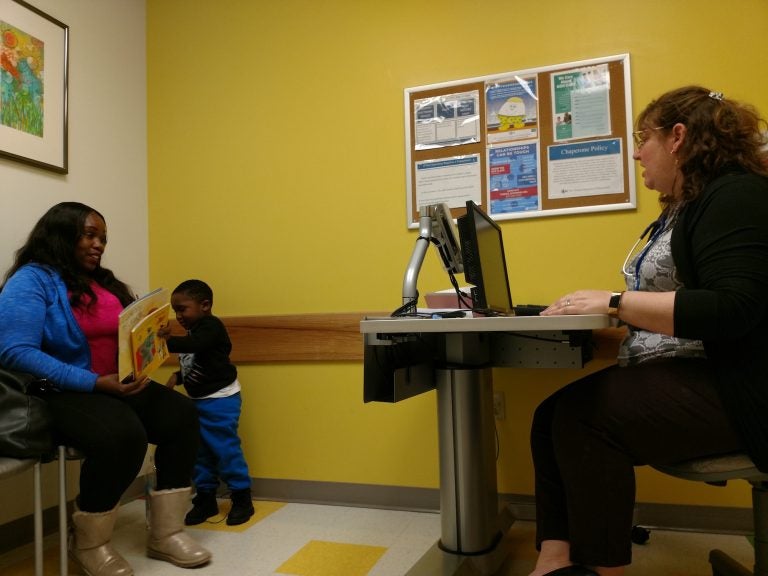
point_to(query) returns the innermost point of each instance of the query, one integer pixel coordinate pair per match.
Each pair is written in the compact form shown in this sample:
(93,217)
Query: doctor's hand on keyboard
(581,302)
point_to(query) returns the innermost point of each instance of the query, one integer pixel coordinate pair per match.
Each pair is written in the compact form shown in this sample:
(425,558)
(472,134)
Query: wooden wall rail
(326,337)
(297,337)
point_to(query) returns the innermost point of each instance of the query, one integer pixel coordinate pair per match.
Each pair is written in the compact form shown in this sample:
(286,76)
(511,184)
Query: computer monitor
(485,266)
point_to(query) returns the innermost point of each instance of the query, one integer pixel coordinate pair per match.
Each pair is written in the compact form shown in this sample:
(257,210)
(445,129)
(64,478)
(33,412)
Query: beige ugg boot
(89,544)
(167,539)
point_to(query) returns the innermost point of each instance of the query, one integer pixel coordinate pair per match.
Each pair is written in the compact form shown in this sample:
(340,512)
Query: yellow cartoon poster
(512,109)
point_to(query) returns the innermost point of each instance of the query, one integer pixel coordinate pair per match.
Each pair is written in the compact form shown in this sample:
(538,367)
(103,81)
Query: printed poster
(585,169)
(581,103)
(451,180)
(513,178)
(447,120)
(511,109)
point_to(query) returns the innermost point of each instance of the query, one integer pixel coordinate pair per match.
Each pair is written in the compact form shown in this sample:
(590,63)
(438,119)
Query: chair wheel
(640,535)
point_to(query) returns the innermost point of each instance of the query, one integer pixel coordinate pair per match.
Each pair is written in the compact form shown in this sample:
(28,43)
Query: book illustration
(130,318)
(149,350)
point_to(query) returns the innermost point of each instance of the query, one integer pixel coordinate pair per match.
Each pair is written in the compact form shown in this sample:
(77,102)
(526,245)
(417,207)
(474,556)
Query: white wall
(107,160)
(107,136)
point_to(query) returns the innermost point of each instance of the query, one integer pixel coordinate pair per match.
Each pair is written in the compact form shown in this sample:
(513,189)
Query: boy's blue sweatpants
(220,457)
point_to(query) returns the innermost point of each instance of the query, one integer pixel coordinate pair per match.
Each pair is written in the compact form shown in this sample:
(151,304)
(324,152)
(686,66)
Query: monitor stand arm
(410,294)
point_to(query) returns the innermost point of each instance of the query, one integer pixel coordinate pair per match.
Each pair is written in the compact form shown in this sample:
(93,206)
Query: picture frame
(34,72)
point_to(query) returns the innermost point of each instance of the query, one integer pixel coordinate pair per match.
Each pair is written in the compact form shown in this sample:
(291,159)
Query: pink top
(99,323)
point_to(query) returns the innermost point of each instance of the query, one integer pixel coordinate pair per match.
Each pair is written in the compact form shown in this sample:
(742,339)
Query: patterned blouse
(653,270)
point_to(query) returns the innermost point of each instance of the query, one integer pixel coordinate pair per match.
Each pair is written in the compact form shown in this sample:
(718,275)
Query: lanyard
(655,228)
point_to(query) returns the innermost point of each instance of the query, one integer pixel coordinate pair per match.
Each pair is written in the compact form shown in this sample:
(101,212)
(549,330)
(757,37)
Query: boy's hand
(173,381)
(164,331)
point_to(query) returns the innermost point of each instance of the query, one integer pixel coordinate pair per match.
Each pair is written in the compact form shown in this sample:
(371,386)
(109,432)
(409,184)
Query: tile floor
(316,540)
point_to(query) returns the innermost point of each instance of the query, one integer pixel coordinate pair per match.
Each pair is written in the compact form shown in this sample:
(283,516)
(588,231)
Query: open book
(141,351)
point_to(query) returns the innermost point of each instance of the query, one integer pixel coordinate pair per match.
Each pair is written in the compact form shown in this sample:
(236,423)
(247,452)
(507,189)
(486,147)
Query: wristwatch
(614,303)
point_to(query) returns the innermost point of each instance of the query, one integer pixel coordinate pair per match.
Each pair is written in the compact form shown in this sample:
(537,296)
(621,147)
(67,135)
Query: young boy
(210,379)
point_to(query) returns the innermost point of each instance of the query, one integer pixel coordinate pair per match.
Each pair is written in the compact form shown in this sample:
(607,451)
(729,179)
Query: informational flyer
(581,103)
(585,169)
(513,178)
(451,180)
(511,109)
(447,120)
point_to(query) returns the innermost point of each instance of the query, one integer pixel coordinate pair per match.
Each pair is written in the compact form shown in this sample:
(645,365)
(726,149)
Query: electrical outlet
(499,408)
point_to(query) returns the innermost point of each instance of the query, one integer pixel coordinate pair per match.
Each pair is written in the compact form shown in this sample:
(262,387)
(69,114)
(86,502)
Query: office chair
(718,470)
(11,466)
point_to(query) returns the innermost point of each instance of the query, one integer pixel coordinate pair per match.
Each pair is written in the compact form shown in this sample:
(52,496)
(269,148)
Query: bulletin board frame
(544,141)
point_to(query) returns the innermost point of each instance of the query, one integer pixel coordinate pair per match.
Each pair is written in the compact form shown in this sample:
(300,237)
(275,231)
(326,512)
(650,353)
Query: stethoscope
(655,229)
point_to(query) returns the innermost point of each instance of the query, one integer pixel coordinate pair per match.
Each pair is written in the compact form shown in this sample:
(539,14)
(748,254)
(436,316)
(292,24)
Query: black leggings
(587,438)
(113,434)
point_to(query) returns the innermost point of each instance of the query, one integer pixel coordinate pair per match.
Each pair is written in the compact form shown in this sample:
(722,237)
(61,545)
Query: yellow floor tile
(319,558)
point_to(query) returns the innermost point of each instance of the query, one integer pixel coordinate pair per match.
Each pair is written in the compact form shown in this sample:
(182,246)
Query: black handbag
(25,422)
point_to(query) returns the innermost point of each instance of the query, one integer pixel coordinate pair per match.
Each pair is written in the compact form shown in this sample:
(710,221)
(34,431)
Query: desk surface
(410,324)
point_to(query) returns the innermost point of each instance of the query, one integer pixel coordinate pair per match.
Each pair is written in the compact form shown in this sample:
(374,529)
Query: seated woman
(59,321)
(691,378)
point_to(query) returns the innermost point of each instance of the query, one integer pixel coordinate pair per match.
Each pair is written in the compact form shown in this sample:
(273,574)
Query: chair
(11,466)
(718,470)
(64,453)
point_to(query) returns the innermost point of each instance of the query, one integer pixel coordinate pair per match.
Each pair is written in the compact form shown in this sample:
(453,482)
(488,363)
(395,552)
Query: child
(210,379)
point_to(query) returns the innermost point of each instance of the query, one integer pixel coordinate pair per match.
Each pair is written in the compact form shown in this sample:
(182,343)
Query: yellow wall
(276,172)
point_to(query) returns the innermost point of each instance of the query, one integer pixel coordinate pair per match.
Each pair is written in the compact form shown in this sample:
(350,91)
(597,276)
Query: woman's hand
(652,311)
(581,302)
(109,384)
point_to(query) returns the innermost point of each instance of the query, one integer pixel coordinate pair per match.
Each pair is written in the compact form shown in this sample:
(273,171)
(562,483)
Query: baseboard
(716,519)
(347,494)
(20,532)
(719,519)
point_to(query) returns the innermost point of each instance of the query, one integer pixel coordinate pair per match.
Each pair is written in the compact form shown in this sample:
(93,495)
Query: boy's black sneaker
(204,505)
(242,507)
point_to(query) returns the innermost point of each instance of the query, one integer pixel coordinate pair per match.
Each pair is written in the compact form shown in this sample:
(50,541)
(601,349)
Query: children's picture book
(141,351)
(149,350)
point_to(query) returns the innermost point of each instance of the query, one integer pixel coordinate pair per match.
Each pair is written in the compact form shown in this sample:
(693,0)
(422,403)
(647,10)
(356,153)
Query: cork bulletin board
(538,142)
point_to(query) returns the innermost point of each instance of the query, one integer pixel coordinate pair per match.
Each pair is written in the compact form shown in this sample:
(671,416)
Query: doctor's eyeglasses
(642,136)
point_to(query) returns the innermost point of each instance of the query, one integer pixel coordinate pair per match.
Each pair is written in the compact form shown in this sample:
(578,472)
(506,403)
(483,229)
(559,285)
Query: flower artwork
(22,63)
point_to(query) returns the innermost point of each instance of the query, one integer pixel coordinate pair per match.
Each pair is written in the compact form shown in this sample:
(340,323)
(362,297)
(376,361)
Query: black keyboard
(528,309)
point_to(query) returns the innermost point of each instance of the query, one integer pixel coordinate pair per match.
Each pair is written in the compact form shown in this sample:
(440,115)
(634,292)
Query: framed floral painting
(34,67)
